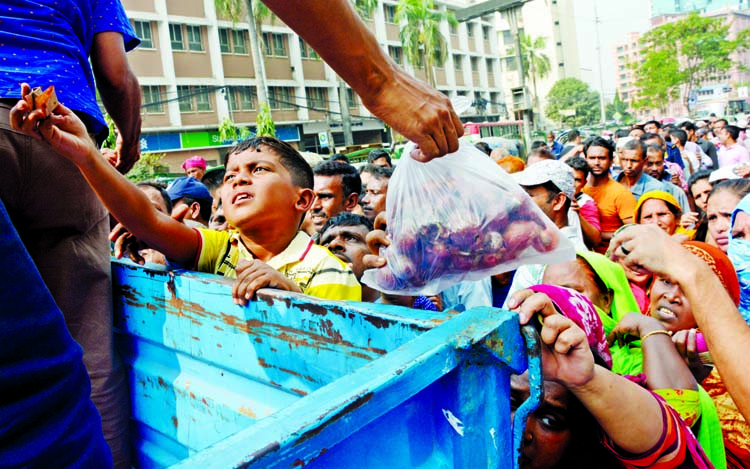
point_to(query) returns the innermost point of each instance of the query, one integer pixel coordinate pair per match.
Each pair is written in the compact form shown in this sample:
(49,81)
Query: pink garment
(590,212)
(735,154)
(640,297)
(674,168)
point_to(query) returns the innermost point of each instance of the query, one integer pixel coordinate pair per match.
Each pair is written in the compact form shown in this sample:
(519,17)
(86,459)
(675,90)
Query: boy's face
(258,190)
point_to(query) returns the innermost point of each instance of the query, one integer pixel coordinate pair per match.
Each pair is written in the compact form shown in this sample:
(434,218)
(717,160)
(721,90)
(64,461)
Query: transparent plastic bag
(460,217)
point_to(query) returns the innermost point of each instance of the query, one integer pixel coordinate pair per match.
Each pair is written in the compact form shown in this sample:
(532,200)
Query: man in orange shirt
(616,203)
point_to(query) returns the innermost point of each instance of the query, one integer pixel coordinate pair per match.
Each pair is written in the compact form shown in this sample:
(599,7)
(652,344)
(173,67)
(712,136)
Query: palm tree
(536,64)
(257,12)
(424,44)
(365,7)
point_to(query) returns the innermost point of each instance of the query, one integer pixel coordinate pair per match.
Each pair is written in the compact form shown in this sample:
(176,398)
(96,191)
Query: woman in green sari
(663,371)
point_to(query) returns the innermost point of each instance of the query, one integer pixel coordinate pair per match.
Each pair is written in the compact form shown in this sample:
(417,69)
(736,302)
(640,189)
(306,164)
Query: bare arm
(120,93)
(591,235)
(662,364)
(415,110)
(717,316)
(630,415)
(67,135)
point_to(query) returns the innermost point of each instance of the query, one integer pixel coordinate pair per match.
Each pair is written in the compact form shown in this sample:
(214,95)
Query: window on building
(185,98)
(351,98)
(175,36)
(202,98)
(281,97)
(390,13)
(195,38)
(152,99)
(306,51)
(475,64)
(470,29)
(224,44)
(274,44)
(397,54)
(239,42)
(143,31)
(317,98)
(490,66)
(510,64)
(241,98)
(194,98)
(458,62)
(485,33)
(508,38)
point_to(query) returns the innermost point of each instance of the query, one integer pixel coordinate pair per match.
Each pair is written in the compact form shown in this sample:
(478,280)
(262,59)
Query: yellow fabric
(313,268)
(685,401)
(661,195)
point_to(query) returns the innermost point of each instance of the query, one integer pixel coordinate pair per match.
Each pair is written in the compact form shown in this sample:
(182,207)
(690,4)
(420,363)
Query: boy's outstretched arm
(67,135)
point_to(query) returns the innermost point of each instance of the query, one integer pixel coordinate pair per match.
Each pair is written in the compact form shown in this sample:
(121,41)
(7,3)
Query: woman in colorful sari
(661,209)
(605,283)
(701,293)
(591,417)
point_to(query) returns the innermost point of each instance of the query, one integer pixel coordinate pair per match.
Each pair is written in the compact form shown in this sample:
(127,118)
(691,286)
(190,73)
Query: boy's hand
(62,130)
(252,275)
(126,243)
(123,156)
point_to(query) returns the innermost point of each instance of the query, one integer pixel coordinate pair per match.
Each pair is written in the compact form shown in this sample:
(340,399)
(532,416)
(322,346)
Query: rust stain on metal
(299,392)
(354,405)
(248,412)
(204,401)
(196,338)
(258,340)
(298,463)
(268,449)
(326,326)
(219,345)
(175,422)
(262,362)
(218,328)
(192,396)
(162,383)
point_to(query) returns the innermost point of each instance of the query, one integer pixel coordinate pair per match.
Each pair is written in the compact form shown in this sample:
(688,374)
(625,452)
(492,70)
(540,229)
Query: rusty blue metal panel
(290,381)
(436,385)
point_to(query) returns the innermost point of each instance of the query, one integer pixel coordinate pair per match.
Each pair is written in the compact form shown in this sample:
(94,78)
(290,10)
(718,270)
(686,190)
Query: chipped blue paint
(290,381)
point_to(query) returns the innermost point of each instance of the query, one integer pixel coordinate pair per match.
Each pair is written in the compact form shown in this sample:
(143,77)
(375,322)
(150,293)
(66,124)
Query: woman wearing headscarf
(661,209)
(605,283)
(591,417)
(739,252)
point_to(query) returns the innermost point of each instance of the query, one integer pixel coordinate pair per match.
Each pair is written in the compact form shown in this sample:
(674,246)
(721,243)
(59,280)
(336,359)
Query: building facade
(195,68)
(724,94)
(677,7)
(554,21)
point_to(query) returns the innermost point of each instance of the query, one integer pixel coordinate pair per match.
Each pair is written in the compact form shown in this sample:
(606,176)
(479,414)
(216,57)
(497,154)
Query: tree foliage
(228,131)
(149,167)
(574,95)
(424,45)
(264,120)
(536,64)
(618,110)
(678,57)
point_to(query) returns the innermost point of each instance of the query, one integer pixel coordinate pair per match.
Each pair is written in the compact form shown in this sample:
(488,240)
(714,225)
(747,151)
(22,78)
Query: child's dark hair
(213,178)
(162,192)
(289,157)
(579,163)
(351,183)
(347,219)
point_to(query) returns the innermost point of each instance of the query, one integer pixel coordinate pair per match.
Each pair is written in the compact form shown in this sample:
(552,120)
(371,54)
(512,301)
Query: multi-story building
(626,54)
(723,94)
(195,68)
(677,7)
(555,22)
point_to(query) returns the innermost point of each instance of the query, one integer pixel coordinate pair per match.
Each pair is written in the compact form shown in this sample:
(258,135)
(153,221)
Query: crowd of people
(646,331)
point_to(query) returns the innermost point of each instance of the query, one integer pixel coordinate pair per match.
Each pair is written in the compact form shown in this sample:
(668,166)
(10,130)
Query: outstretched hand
(648,249)
(62,129)
(421,114)
(127,243)
(566,356)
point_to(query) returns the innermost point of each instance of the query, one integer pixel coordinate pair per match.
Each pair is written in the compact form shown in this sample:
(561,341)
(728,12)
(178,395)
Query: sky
(617,18)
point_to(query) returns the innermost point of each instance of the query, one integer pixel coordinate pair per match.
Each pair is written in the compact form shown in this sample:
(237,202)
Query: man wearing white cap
(551,186)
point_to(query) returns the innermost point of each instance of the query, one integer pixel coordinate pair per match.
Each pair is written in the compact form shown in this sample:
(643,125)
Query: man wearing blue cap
(191,201)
